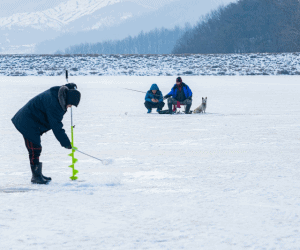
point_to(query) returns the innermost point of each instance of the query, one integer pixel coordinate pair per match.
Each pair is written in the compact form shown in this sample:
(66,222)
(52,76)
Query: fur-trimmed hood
(62,97)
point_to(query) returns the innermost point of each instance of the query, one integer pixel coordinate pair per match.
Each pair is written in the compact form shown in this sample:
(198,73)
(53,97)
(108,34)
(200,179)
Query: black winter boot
(188,107)
(170,108)
(46,178)
(37,177)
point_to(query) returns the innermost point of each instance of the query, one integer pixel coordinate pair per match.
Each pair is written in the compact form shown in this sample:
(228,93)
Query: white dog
(202,107)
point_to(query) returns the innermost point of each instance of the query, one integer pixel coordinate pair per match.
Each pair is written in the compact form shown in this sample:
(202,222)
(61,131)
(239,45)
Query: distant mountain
(175,13)
(56,18)
(70,17)
(73,21)
(10,7)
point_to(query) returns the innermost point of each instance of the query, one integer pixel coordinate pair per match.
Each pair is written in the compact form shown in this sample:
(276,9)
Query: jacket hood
(62,97)
(154,87)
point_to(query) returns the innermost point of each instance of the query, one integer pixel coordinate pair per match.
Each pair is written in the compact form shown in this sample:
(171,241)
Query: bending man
(41,114)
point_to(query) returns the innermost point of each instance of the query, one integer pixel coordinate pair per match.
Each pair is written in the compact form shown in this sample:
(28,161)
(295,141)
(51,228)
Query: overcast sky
(10,7)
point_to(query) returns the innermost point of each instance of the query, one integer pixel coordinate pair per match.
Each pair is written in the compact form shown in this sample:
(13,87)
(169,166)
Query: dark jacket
(187,91)
(43,113)
(149,96)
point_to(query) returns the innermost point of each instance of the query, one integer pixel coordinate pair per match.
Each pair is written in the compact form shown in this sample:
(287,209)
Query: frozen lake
(228,179)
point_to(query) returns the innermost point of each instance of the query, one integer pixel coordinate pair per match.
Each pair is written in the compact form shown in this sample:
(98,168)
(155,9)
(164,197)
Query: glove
(69,147)
(71,85)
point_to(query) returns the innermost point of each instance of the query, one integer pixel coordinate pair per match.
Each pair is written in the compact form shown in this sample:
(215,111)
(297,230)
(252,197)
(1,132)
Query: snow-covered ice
(227,179)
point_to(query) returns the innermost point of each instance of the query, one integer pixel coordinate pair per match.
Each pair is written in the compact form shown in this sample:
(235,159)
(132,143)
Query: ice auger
(74,160)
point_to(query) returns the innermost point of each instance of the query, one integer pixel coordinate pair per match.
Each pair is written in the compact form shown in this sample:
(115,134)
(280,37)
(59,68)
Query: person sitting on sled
(154,99)
(41,114)
(180,94)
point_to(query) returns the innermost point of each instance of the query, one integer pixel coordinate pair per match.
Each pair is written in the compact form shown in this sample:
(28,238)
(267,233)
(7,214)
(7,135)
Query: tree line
(247,26)
(158,41)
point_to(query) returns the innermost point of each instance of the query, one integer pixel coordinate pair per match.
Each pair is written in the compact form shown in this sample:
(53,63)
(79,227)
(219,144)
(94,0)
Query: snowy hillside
(228,179)
(152,65)
(73,16)
(57,17)
(73,22)
(11,7)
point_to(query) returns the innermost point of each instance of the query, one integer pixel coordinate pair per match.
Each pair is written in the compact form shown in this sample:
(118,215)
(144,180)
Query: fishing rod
(136,90)
(104,162)
(140,91)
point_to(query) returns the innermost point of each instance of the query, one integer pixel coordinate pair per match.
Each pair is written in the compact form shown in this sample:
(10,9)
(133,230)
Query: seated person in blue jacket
(180,93)
(154,99)
(41,114)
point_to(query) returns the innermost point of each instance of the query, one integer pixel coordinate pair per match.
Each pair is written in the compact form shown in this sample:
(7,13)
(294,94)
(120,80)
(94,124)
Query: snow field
(227,179)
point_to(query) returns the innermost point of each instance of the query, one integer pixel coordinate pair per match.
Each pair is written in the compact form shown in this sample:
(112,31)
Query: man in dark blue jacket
(154,99)
(41,114)
(180,93)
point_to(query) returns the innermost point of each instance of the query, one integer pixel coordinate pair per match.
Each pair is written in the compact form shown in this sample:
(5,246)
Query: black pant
(152,105)
(34,151)
(174,101)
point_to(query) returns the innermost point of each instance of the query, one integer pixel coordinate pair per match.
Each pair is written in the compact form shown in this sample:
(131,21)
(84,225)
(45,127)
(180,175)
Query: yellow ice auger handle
(74,160)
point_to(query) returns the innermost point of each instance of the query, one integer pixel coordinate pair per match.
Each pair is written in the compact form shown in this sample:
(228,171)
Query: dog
(202,107)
